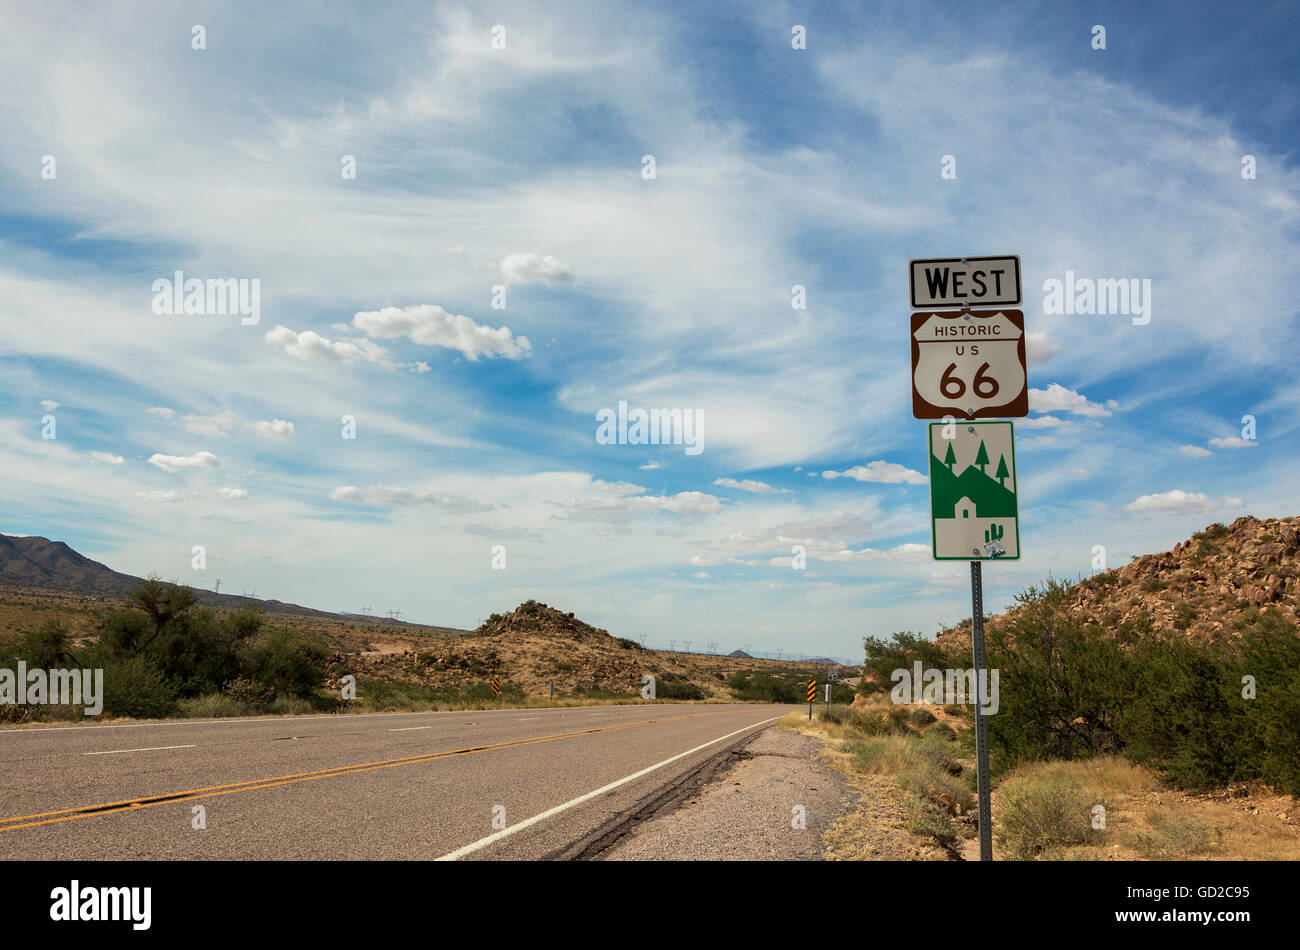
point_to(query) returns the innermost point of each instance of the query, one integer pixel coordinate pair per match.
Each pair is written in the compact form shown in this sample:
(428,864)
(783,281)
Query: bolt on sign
(969,364)
(948,282)
(973,505)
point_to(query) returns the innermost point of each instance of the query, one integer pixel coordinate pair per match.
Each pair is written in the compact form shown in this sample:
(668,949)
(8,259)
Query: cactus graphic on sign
(973,508)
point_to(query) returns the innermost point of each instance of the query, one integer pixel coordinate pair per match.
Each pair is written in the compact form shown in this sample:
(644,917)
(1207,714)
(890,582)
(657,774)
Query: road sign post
(971,365)
(981,721)
(496,686)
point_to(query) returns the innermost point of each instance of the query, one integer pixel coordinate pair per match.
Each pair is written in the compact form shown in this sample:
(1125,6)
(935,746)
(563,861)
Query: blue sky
(521,168)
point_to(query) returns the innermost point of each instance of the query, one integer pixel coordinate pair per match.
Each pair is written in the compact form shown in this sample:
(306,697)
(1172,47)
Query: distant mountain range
(40,562)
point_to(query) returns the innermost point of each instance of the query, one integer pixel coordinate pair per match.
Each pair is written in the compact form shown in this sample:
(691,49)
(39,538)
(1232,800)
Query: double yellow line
(212,791)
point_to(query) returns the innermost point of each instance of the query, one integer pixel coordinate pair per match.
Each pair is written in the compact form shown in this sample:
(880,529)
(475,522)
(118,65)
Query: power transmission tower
(688,645)
(672,645)
(218,587)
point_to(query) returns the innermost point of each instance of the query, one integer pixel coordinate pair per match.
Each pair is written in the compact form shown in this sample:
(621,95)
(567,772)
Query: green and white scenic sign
(973,491)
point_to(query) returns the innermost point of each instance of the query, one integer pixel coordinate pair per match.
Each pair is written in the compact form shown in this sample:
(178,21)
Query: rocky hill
(1207,588)
(536,645)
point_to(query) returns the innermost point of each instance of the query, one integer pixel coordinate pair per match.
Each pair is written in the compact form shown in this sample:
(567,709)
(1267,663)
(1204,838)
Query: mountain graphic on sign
(988,493)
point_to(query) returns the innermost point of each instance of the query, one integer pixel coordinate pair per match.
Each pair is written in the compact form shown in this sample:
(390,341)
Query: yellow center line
(212,791)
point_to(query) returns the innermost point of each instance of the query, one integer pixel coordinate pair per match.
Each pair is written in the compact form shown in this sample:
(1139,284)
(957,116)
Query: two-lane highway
(509,783)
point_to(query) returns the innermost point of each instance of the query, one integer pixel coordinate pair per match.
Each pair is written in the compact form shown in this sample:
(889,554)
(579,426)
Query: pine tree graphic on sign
(973,504)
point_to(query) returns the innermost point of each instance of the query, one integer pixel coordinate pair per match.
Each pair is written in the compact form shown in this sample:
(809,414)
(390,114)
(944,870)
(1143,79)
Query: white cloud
(279,430)
(1233,442)
(233,493)
(682,503)
(172,495)
(49,405)
(911,552)
(390,496)
(650,466)
(107,457)
(211,427)
(750,485)
(880,471)
(1179,500)
(525,268)
(1195,451)
(183,463)
(430,325)
(311,347)
(1040,422)
(161,411)
(1056,398)
(1039,347)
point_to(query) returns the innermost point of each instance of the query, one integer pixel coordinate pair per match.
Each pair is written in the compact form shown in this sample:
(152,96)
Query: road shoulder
(772,799)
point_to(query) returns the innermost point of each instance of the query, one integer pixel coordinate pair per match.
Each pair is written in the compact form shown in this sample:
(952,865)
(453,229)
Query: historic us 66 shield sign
(969,364)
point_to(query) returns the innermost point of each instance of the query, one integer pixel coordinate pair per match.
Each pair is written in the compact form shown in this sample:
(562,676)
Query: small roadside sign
(496,686)
(969,364)
(947,282)
(812,690)
(973,506)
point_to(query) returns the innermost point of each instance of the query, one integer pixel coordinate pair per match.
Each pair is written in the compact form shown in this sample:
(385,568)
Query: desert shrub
(211,706)
(1038,815)
(1172,837)
(1177,707)
(288,666)
(943,731)
(764,687)
(900,652)
(921,717)
(677,689)
(135,688)
(48,647)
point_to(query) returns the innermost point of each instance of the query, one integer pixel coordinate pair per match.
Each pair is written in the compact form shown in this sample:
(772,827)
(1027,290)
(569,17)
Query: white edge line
(528,822)
(157,748)
(409,728)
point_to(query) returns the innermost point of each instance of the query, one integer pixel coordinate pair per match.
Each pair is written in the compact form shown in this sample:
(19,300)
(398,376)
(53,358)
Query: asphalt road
(389,786)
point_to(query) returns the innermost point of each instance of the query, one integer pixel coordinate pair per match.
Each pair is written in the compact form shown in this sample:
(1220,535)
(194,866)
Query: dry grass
(911,793)
(1143,820)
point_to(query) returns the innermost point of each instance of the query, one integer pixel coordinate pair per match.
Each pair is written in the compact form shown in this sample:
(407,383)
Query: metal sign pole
(981,721)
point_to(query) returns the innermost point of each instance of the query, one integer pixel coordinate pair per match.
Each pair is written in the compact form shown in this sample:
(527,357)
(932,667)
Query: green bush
(677,689)
(921,717)
(137,689)
(1067,691)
